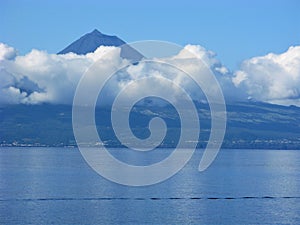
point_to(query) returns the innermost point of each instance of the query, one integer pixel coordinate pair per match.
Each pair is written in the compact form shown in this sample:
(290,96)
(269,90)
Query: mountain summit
(91,41)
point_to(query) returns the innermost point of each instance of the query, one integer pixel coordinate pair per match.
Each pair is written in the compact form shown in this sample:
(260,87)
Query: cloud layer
(39,77)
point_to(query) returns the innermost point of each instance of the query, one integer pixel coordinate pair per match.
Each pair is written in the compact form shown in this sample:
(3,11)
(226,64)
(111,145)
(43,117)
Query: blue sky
(235,30)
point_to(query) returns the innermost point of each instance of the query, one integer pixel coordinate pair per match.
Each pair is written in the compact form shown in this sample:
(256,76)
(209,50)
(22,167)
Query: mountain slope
(91,41)
(249,125)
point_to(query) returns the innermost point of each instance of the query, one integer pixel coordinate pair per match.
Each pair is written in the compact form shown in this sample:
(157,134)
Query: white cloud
(273,78)
(223,70)
(186,59)
(7,52)
(39,77)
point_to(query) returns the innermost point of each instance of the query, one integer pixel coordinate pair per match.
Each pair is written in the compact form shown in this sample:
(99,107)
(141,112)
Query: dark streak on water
(145,199)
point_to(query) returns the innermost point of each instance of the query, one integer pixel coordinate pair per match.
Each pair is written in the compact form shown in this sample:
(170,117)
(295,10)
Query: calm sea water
(56,186)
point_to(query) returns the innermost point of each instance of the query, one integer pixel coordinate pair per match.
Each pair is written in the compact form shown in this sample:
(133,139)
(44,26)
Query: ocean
(56,186)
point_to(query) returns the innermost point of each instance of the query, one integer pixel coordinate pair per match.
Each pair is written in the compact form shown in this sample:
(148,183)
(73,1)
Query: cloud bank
(39,77)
